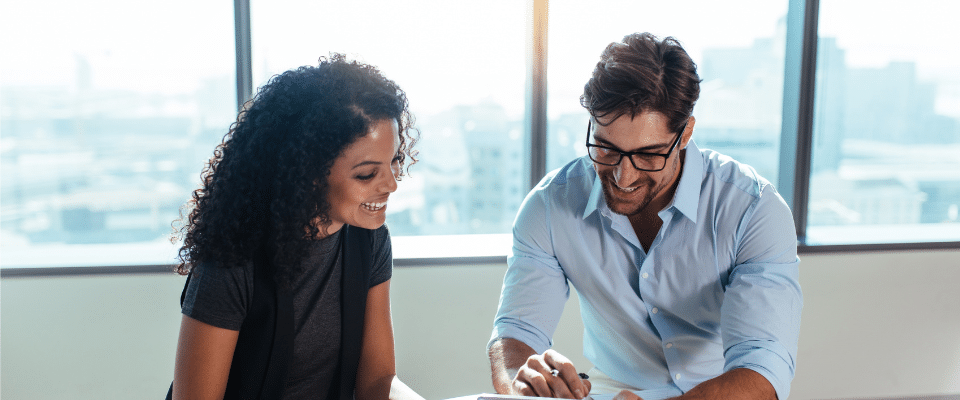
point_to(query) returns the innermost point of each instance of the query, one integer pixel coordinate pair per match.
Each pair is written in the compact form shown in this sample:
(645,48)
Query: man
(685,260)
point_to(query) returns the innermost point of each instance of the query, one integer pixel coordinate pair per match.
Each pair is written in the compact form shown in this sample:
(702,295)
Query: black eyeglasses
(651,162)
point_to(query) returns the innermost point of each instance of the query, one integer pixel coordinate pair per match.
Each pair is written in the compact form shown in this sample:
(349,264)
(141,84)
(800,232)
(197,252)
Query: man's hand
(542,375)
(550,375)
(627,395)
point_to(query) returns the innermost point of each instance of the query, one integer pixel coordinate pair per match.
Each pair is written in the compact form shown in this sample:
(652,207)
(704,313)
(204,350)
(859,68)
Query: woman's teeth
(374,206)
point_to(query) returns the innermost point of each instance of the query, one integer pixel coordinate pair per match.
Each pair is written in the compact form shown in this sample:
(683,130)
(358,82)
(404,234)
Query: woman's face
(363,176)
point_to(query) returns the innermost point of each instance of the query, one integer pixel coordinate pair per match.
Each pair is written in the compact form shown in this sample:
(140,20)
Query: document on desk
(655,394)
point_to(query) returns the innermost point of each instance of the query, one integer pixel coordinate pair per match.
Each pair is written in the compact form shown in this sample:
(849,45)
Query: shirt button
(655,310)
(678,376)
(669,345)
(645,275)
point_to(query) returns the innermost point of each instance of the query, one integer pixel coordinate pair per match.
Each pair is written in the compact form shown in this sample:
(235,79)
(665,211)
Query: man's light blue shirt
(717,290)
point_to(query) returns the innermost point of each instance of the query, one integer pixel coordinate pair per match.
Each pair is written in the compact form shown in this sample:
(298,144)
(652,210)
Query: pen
(555,372)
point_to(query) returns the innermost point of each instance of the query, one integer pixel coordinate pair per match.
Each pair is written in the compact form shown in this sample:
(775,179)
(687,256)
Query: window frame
(796,138)
(795,149)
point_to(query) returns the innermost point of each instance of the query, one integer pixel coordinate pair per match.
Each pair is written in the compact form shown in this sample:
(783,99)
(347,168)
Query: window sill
(408,251)
(159,256)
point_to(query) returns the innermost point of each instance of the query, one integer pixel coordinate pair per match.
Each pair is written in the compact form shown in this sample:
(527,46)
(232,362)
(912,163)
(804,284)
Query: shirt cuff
(508,329)
(211,319)
(766,358)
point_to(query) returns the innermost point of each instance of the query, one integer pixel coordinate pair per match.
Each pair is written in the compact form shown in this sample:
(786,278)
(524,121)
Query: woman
(288,257)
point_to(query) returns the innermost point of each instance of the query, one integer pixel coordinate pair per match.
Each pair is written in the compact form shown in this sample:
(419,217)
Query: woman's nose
(390,184)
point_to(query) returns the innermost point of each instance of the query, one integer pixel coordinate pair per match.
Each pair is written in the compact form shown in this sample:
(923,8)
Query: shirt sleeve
(218,296)
(534,287)
(760,316)
(382,257)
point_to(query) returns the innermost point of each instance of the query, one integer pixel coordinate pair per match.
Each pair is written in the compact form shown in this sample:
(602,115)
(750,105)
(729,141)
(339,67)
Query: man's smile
(625,189)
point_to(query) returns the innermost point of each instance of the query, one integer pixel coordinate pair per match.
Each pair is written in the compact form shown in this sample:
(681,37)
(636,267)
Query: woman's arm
(204,354)
(377,373)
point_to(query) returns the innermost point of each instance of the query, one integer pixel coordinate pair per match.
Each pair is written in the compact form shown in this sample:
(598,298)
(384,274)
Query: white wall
(874,325)
(879,324)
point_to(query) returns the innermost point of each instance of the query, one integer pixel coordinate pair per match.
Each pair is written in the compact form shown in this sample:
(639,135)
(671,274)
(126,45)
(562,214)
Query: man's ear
(688,132)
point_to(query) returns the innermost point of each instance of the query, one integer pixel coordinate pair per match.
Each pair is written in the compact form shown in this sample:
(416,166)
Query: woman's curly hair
(265,189)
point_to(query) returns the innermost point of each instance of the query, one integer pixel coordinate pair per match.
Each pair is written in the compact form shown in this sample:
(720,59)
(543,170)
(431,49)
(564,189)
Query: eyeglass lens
(605,156)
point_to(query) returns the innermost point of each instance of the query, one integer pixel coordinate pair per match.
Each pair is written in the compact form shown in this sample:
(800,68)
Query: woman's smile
(374,206)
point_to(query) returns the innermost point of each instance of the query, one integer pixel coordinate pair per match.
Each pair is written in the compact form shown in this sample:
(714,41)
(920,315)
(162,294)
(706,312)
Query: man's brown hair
(643,73)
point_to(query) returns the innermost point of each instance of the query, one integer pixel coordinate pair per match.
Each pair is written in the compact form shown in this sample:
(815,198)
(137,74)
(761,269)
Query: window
(106,123)
(886,139)
(462,67)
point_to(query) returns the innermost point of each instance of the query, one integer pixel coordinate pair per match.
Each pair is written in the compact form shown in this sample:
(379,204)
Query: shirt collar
(595,201)
(686,199)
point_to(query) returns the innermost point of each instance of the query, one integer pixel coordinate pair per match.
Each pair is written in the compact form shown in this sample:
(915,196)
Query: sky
(150,46)
(440,52)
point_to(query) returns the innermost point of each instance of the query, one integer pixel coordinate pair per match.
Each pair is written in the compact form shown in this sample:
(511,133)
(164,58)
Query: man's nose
(624,173)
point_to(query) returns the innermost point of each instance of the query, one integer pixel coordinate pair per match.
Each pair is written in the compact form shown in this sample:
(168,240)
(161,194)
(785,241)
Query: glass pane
(462,67)
(739,56)
(107,118)
(886,161)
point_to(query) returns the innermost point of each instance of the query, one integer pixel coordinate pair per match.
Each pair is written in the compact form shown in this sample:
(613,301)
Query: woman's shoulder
(382,252)
(379,237)
(381,234)
(219,294)
(218,278)
(214,270)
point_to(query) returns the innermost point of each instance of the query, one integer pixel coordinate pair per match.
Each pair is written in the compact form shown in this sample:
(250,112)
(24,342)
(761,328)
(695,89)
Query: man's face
(627,190)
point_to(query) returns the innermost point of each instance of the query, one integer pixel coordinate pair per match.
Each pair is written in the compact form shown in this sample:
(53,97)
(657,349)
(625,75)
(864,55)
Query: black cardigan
(265,344)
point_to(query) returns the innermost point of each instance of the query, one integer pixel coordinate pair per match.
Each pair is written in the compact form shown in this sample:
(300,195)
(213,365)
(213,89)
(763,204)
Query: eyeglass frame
(630,154)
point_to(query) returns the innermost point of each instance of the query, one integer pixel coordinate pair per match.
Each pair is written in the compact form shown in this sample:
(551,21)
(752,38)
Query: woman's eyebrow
(368,162)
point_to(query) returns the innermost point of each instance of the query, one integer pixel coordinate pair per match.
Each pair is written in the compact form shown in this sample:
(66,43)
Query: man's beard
(636,201)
